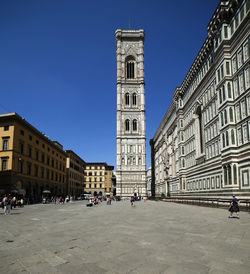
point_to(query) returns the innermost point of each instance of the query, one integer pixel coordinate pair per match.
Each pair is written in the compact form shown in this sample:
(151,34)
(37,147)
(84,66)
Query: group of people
(7,202)
(96,200)
(58,199)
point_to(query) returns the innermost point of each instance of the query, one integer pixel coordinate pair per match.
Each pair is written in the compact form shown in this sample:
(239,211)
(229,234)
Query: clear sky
(58,64)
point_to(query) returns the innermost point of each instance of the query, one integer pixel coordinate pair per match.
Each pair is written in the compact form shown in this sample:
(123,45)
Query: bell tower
(131,130)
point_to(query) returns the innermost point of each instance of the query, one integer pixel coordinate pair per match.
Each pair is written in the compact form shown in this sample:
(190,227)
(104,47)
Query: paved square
(153,237)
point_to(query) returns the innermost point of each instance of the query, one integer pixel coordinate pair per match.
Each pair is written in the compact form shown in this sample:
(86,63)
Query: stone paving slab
(152,237)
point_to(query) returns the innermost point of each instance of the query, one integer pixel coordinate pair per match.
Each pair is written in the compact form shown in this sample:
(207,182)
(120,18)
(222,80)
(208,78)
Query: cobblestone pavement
(153,237)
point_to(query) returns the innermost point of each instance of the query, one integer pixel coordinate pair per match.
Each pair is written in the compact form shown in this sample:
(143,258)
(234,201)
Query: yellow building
(75,173)
(29,161)
(98,178)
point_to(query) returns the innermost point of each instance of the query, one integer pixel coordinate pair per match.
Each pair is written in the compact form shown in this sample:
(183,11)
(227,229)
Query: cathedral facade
(202,146)
(131,131)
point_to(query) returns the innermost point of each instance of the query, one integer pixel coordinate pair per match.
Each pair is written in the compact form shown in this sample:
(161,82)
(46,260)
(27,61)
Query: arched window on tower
(227,139)
(229,91)
(134,125)
(127,125)
(232,137)
(231,114)
(134,99)
(130,67)
(223,140)
(127,99)
(223,93)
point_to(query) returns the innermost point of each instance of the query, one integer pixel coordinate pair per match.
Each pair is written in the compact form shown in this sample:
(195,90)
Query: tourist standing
(234,207)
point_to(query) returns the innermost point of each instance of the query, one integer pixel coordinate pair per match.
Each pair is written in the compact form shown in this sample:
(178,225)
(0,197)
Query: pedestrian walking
(132,201)
(14,201)
(7,204)
(234,207)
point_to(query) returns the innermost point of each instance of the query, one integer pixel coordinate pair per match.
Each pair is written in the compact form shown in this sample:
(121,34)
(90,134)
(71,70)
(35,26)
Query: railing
(210,202)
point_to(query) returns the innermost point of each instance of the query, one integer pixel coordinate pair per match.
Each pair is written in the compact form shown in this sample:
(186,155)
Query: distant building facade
(131,130)
(202,146)
(30,161)
(149,180)
(75,167)
(98,178)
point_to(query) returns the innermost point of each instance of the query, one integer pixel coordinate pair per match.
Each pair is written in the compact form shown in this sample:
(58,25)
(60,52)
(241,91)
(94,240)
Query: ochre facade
(98,179)
(30,162)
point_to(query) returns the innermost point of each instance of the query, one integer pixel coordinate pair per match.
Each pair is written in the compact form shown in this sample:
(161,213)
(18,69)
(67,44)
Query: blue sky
(58,64)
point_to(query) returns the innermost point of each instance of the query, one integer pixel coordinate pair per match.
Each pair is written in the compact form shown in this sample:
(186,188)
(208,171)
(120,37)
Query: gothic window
(199,114)
(130,67)
(134,99)
(247,80)
(134,125)
(225,175)
(223,140)
(225,116)
(229,175)
(182,136)
(246,51)
(223,93)
(240,58)
(235,174)
(243,108)
(231,114)
(236,89)
(227,139)
(127,99)
(229,91)
(220,96)
(241,83)
(232,137)
(227,68)
(127,125)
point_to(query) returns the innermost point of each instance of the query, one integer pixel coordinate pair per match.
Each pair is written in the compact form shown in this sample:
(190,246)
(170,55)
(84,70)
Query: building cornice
(15,117)
(223,14)
(69,152)
(171,109)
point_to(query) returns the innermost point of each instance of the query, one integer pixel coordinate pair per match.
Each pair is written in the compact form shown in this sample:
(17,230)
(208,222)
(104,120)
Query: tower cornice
(128,34)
